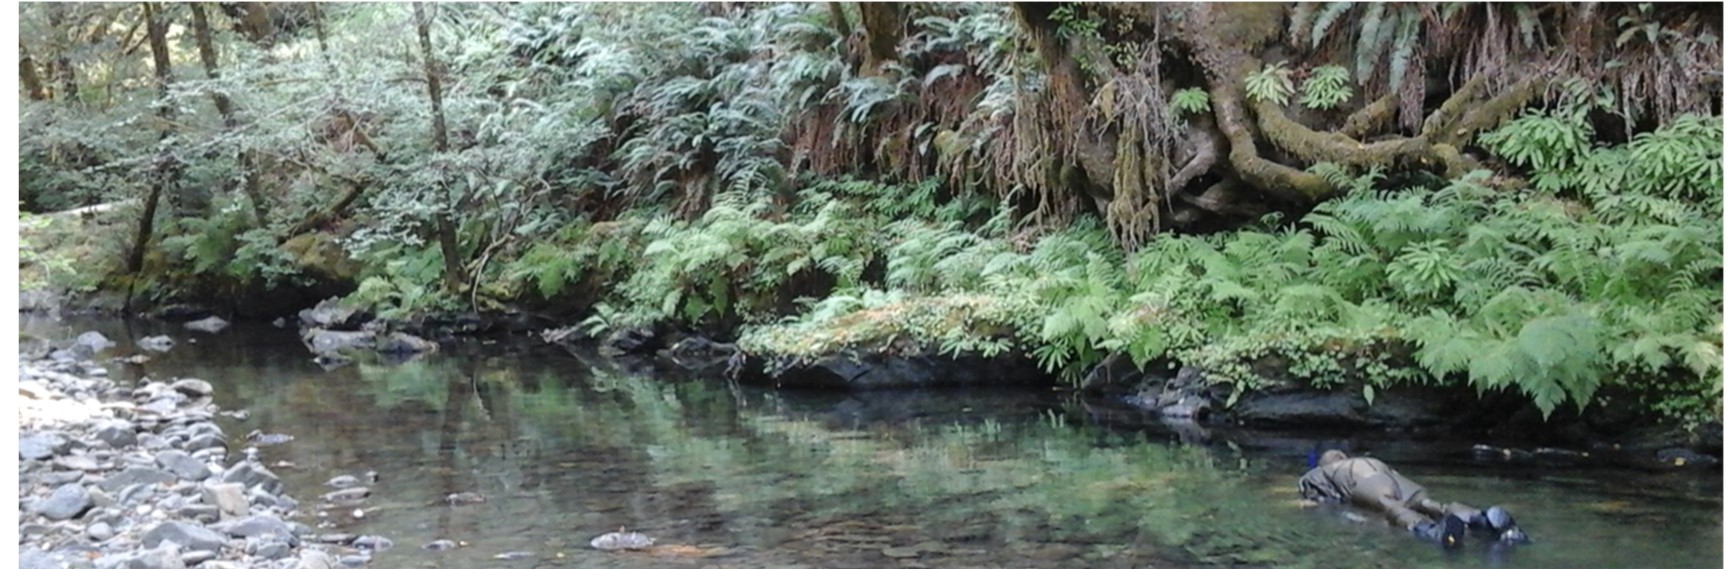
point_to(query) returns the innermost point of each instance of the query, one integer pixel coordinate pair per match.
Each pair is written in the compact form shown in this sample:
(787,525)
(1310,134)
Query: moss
(321,256)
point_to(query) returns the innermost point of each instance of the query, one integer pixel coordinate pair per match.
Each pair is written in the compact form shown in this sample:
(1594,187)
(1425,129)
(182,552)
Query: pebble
(347,494)
(440,545)
(372,543)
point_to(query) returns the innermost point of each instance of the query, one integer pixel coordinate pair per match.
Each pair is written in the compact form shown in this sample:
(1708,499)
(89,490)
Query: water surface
(566,448)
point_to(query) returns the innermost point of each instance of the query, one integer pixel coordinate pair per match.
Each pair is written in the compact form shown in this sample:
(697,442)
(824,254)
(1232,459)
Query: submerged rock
(156,343)
(621,540)
(209,325)
(334,342)
(89,343)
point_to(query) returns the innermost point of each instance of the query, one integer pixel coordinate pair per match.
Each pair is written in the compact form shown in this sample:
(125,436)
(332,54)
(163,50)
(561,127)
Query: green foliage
(1271,84)
(1519,290)
(1327,86)
(1189,101)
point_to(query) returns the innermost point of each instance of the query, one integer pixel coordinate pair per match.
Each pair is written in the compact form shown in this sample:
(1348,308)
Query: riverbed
(562,447)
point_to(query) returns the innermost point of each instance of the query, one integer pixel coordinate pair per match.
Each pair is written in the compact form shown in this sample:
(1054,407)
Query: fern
(1190,101)
(1271,84)
(1327,87)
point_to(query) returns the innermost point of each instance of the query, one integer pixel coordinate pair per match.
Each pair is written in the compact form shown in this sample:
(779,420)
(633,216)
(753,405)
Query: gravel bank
(141,477)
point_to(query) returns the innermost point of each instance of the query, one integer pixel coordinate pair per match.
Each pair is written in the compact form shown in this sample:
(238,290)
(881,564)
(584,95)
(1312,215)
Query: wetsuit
(1370,483)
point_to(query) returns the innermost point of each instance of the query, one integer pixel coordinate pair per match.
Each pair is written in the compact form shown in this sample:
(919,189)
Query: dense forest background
(1516,196)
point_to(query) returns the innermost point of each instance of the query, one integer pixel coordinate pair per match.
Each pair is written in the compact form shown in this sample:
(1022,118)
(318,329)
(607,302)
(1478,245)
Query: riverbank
(565,448)
(144,477)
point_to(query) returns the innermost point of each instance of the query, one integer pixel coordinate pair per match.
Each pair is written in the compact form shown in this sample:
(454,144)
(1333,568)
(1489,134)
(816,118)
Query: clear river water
(566,447)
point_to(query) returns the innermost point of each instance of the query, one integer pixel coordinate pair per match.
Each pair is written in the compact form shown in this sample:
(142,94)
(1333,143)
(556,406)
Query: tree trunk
(62,69)
(226,108)
(27,76)
(163,171)
(883,22)
(445,228)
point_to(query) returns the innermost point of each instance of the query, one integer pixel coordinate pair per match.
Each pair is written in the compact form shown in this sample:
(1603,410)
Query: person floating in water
(1370,483)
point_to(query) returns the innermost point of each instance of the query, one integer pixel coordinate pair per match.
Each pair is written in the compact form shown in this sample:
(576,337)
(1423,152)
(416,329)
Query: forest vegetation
(1513,196)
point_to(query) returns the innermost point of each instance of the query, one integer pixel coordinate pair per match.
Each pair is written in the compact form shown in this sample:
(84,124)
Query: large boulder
(336,342)
(331,314)
(90,343)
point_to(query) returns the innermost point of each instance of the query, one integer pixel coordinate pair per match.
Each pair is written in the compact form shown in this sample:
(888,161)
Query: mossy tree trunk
(249,181)
(27,75)
(446,230)
(163,171)
(883,26)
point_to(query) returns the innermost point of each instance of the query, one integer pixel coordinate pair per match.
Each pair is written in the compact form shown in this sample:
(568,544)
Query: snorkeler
(1370,483)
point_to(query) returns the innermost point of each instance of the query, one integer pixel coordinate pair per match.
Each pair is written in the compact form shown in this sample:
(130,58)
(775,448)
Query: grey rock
(136,493)
(156,343)
(331,342)
(344,481)
(193,387)
(258,526)
(209,325)
(165,557)
(197,557)
(135,475)
(251,475)
(65,503)
(152,441)
(27,530)
(77,462)
(202,442)
(186,535)
(101,499)
(335,538)
(39,446)
(440,545)
(354,560)
(33,558)
(347,494)
(331,314)
(372,543)
(617,541)
(270,549)
(230,498)
(59,477)
(92,342)
(100,531)
(183,465)
(312,559)
(199,512)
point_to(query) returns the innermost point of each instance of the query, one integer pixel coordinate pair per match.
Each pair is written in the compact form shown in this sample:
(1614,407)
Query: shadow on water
(565,448)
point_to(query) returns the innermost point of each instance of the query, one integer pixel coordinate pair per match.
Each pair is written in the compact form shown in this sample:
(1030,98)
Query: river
(565,448)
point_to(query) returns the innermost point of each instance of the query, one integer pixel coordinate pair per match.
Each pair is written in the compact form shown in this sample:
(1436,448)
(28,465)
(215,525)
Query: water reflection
(565,449)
